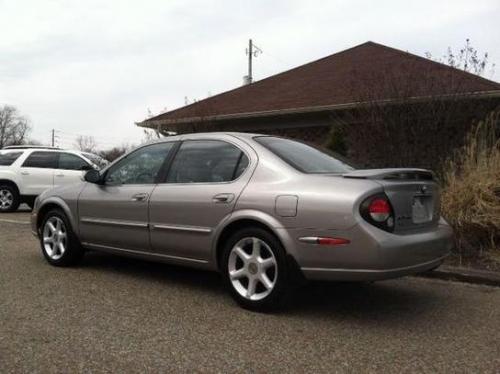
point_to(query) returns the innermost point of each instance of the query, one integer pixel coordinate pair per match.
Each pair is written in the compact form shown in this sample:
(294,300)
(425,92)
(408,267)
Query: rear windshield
(7,158)
(303,157)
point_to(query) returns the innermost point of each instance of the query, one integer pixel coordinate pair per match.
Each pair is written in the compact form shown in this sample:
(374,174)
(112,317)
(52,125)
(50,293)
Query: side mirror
(93,176)
(86,167)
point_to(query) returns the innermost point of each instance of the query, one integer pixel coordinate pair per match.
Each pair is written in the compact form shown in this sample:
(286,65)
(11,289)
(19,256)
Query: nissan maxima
(259,209)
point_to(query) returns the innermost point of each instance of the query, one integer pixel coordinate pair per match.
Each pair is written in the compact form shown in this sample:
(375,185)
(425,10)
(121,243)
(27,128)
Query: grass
(471,193)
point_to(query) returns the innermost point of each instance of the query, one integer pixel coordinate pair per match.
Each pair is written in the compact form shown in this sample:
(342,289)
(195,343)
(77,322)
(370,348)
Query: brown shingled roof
(341,78)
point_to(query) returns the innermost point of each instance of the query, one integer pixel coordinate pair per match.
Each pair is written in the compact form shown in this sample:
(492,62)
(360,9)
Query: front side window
(207,161)
(303,157)
(141,166)
(68,161)
(44,160)
(8,158)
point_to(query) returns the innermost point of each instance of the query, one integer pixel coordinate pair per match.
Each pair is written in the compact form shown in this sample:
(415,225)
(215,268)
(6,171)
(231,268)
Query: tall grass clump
(471,190)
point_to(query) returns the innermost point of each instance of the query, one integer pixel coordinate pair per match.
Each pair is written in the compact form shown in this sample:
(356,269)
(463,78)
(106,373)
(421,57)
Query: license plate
(420,213)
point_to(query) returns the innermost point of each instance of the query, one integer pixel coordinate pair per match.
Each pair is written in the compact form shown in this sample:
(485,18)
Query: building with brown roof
(426,107)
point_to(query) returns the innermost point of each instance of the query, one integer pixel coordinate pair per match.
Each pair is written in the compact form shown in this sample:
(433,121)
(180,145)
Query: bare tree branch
(115,152)
(14,127)
(86,144)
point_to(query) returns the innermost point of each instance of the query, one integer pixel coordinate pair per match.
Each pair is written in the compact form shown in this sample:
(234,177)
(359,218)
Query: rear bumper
(372,254)
(369,274)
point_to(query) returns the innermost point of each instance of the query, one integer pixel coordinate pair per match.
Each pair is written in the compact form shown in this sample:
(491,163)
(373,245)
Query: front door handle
(223,198)
(60,175)
(140,197)
(25,173)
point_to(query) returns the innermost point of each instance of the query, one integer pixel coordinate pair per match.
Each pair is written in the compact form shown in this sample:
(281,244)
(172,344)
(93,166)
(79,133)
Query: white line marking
(14,221)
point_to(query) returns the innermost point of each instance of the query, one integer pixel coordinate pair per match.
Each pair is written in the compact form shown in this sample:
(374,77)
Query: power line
(74,134)
(66,139)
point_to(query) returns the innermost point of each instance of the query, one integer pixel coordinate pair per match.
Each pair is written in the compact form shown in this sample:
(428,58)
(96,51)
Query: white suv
(27,171)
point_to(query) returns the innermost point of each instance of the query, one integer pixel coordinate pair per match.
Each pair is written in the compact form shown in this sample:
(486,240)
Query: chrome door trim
(112,222)
(204,230)
(106,247)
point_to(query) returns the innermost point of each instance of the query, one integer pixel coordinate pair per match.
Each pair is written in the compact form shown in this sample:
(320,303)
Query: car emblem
(423,189)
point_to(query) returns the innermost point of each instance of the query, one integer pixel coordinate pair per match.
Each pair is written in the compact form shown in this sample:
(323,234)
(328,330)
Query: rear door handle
(25,173)
(59,175)
(140,197)
(223,198)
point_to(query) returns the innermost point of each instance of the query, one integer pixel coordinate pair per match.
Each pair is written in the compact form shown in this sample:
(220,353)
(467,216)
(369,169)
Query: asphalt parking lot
(120,315)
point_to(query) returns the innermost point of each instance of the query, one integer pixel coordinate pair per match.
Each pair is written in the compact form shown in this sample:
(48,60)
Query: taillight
(378,211)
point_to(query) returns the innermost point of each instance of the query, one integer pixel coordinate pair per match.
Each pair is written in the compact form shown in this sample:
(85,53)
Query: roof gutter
(152,123)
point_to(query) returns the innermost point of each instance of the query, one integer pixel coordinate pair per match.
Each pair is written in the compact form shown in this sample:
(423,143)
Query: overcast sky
(95,67)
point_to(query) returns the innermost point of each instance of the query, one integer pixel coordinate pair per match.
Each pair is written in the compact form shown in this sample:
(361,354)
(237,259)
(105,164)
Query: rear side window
(45,160)
(303,157)
(8,158)
(207,161)
(68,161)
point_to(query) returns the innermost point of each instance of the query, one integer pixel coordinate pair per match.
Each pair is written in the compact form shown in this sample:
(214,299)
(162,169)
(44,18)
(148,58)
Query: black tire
(16,199)
(278,295)
(30,203)
(73,252)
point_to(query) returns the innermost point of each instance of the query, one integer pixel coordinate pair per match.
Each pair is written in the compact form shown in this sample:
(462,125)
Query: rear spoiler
(392,174)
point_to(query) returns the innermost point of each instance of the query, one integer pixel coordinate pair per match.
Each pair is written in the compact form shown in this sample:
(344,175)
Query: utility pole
(251,53)
(53,137)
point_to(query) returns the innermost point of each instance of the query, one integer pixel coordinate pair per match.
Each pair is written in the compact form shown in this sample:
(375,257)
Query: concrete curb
(490,278)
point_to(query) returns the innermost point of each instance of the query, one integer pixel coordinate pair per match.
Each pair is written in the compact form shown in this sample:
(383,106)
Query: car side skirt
(157,257)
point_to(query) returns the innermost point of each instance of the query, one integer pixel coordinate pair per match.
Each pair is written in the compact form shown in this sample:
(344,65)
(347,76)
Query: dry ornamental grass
(471,192)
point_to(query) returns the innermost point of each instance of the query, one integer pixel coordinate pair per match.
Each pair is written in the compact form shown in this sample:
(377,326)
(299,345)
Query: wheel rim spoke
(50,251)
(242,254)
(51,227)
(238,274)
(255,247)
(252,285)
(264,279)
(266,263)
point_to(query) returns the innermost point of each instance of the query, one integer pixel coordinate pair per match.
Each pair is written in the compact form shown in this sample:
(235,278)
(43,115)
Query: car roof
(46,149)
(200,135)
(21,147)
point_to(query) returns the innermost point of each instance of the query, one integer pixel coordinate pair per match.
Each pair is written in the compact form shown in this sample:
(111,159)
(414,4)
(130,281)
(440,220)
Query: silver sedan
(262,210)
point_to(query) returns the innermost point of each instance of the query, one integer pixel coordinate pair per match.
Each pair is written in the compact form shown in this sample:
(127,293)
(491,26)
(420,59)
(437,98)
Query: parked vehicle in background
(27,171)
(97,160)
(259,209)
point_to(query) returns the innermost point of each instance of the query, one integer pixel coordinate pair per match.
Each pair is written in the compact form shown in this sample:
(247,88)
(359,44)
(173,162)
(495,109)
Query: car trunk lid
(413,194)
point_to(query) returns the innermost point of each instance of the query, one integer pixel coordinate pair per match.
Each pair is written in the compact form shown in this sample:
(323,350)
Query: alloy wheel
(6,199)
(253,269)
(54,238)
